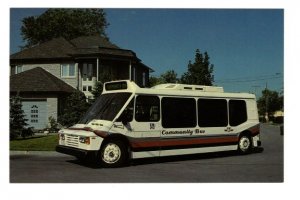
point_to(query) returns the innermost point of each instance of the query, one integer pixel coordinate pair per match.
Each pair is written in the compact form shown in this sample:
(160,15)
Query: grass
(35,143)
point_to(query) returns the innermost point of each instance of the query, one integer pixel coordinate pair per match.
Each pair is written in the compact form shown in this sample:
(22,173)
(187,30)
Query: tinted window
(147,109)
(127,114)
(212,113)
(178,112)
(237,112)
(106,107)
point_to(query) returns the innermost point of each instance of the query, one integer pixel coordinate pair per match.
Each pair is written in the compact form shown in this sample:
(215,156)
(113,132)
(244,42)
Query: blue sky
(245,45)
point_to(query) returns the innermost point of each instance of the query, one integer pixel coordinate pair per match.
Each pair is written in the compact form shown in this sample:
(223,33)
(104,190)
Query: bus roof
(171,89)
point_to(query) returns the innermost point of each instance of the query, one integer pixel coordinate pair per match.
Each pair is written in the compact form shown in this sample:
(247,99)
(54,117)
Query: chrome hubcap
(244,143)
(111,153)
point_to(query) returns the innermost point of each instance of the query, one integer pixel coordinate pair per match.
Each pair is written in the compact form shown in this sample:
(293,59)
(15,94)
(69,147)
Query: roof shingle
(56,48)
(92,42)
(38,80)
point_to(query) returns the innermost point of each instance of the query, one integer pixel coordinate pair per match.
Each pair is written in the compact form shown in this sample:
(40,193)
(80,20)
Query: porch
(91,70)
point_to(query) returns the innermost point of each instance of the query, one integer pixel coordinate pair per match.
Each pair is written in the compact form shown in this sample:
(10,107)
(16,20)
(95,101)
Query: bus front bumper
(78,153)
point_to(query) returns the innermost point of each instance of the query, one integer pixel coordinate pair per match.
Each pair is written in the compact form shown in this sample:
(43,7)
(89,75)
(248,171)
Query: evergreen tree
(105,76)
(17,121)
(199,72)
(76,106)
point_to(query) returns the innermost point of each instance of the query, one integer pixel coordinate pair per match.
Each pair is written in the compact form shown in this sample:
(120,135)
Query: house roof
(93,45)
(81,46)
(56,48)
(93,42)
(38,80)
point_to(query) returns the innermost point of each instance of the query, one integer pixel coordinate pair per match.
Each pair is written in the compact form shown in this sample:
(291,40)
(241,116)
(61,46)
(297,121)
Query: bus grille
(72,140)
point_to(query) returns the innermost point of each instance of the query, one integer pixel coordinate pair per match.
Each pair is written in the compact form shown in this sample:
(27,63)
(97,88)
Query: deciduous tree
(169,77)
(67,23)
(269,102)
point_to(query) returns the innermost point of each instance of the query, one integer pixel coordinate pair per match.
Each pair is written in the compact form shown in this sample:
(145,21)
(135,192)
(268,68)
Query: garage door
(36,113)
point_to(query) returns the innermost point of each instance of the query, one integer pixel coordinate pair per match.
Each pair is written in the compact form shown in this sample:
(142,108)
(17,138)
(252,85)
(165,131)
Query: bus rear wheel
(244,144)
(113,154)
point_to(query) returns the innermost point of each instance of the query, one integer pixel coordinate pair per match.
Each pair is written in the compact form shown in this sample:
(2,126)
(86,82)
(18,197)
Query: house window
(87,72)
(18,69)
(68,70)
(34,117)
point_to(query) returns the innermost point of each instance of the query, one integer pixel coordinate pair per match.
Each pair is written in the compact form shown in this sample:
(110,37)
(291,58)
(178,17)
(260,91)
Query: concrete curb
(36,153)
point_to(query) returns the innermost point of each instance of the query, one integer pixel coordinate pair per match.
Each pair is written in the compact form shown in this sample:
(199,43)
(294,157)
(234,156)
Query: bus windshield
(106,107)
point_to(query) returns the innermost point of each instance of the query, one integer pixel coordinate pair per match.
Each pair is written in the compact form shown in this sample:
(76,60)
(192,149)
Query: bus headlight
(61,136)
(85,140)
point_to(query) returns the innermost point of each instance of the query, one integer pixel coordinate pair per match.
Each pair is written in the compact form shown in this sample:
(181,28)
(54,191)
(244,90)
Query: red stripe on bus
(254,130)
(179,142)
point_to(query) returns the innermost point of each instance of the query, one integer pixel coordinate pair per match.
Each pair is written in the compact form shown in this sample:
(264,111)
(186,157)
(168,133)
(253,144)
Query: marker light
(85,140)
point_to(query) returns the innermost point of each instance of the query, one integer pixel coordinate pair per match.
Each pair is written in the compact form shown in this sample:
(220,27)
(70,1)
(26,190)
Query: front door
(88,79)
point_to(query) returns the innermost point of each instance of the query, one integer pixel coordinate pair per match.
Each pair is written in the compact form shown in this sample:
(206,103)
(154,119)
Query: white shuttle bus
(129,122)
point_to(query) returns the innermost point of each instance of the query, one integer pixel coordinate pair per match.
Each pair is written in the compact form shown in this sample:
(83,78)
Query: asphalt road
(52,167)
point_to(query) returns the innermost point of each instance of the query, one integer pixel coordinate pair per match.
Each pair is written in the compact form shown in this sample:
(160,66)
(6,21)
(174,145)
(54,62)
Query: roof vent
(200,88)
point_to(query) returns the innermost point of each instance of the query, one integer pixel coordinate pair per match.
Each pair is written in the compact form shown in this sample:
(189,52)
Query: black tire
(113,153)
(244,145)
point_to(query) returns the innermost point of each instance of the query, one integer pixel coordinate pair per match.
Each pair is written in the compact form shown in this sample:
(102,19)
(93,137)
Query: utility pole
(267,101)
(255,89)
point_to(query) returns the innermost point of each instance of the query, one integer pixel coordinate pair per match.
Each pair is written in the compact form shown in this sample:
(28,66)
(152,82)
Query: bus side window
(178,112)
(237,112)
(212,113)
(147,109)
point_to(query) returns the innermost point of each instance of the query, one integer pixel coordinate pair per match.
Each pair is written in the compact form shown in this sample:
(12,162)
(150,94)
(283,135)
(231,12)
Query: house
(45,74)
(43,95)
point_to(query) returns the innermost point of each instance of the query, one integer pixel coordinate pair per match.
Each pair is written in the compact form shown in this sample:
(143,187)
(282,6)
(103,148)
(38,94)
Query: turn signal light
(85,140)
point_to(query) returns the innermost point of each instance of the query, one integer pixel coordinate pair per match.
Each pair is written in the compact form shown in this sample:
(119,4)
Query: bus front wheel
(245,144)
(113,154)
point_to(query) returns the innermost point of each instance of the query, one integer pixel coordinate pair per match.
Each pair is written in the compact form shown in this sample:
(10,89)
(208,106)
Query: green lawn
(35,143)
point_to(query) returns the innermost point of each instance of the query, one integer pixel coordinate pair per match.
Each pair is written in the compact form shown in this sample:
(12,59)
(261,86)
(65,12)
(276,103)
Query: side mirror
(126,118)
(124,121)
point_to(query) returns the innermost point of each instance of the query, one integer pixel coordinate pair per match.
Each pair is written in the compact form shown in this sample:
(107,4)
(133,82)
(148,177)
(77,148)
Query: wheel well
(246,133)
(118,137)
(122,142)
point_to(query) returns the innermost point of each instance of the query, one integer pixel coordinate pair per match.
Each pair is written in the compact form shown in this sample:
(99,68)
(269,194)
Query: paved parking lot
(52,167)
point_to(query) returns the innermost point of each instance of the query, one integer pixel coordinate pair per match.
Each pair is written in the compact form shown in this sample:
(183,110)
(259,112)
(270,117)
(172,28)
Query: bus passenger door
(146,126)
